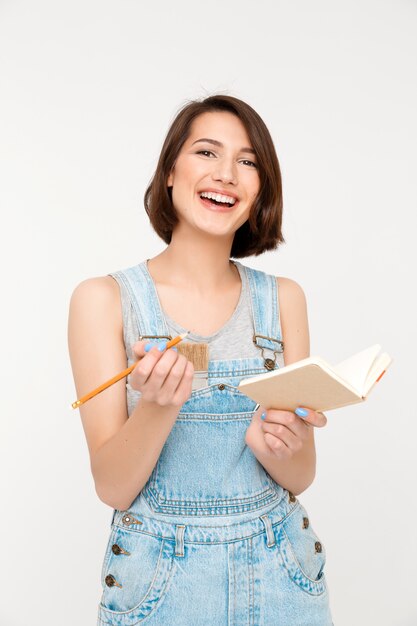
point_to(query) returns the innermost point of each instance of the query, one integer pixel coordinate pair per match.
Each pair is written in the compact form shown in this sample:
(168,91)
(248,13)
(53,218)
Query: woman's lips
(218,208)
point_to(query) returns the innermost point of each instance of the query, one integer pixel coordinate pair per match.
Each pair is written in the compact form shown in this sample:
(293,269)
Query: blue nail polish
(301,412)
(162,345)
(176,349)
(263,416)
(150,345)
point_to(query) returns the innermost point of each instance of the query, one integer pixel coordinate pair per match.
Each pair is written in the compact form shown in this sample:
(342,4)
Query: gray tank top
(232,341)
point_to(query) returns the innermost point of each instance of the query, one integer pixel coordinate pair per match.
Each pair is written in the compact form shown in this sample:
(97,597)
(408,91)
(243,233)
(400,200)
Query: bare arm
(123,450)
(284,443)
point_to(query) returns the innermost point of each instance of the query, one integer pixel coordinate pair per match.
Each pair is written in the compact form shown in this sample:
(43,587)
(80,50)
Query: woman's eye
(205,152)
(247,162)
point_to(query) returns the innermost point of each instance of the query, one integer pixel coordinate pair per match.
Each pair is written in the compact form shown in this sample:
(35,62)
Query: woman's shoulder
(289,287)
(99,292)
(94,312)
(291,294)
(96,287)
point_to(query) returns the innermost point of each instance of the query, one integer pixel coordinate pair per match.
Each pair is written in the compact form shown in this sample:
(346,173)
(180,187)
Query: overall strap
(265,310)
(144,298)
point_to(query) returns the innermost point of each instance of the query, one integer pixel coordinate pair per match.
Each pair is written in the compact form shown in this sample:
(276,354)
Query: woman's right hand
(164,378)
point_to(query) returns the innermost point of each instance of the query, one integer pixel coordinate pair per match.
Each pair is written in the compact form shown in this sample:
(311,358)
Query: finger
(141,348)
(285,435)
(145,369)
(278,447)
(138,348)
(173,379)
(183,391)
(315,418)
(288,419)
(161,369)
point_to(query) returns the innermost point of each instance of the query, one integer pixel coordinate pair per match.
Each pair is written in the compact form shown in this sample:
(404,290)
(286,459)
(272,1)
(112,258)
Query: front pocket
(301,551)
(206,468)
(135,577)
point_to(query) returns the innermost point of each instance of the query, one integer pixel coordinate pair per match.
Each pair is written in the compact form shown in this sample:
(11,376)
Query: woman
(206,529)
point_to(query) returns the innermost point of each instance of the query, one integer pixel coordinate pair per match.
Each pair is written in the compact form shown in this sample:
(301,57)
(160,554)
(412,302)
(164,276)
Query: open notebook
(314,384)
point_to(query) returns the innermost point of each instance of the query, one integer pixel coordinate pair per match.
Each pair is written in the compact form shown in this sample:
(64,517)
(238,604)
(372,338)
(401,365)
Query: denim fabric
(212,539)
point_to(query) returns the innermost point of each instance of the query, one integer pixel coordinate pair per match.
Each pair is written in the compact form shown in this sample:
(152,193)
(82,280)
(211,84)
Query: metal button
(318,546)
(269,364)
(111,581)
(306,522)
(221,386)
(118,550)
(291,497)
(128,519)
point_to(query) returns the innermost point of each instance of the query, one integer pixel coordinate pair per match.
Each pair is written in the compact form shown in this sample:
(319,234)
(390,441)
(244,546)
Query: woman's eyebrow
(214,142)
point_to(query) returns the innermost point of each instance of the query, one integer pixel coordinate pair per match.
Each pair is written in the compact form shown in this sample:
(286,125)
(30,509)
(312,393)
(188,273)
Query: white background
(87,92)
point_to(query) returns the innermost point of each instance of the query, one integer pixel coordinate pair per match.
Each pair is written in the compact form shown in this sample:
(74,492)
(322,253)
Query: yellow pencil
(118,377)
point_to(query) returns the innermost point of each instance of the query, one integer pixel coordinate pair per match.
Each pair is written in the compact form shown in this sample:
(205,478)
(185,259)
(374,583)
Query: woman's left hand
(282,433)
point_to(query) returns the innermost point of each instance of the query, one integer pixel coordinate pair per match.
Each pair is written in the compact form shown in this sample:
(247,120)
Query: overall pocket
(136,571)
(301,551)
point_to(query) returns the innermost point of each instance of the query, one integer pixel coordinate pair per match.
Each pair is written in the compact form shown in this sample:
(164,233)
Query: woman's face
(215,178)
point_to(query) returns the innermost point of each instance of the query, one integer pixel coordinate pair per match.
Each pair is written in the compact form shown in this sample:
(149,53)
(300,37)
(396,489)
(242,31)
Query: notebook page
(380,365)
(356,368)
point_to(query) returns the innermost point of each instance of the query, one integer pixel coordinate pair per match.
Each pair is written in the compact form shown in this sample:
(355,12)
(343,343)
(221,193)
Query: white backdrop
(87,91)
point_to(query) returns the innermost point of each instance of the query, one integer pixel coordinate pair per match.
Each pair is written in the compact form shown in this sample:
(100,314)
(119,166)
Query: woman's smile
(211,205)
(217,200)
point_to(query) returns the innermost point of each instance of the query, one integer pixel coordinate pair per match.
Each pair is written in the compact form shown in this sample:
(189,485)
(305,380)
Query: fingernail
(150,345)
(176,349)
(263,416)
(301,412)
(162,345)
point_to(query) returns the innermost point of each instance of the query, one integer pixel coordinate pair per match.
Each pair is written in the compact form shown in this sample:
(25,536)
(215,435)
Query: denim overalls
(212,540)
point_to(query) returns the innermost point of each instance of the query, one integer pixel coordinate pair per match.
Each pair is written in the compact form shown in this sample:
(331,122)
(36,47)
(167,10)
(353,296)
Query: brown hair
(262,231)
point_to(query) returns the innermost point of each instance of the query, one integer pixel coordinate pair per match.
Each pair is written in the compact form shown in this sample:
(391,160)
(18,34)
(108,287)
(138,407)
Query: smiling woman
(262,231)
(203,489)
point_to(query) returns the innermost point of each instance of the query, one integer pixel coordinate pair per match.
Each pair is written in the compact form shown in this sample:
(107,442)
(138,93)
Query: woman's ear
(170,181)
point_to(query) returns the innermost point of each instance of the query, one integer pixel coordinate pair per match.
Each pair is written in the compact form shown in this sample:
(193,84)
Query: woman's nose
(226,172)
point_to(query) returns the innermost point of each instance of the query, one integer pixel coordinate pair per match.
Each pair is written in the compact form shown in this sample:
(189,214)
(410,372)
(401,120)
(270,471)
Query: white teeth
(218,197)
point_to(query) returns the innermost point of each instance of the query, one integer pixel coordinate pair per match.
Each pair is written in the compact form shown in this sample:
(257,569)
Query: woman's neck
(199,263)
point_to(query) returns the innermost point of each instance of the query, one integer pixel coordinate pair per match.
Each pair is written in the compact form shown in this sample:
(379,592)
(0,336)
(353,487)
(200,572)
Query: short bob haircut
(262,231)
